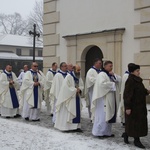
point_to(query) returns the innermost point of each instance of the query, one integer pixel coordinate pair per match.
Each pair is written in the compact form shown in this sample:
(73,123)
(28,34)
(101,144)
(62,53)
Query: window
(40,53)
(31,52)
(18,51)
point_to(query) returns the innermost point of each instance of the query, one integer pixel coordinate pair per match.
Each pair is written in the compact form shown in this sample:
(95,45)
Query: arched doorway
(93,53)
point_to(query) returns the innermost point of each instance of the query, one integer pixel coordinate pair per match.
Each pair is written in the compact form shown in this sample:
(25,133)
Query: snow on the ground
(17,134)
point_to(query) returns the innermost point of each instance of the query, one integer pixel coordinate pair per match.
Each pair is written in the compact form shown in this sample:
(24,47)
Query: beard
(77,74)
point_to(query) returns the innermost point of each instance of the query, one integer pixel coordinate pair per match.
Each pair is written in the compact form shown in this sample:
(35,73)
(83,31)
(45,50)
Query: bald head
(77,70)
(25,68)
(70,67)
(34,66)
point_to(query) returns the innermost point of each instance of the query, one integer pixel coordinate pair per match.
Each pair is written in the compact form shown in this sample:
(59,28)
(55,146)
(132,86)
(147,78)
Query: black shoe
(107,136)
(8,117)
(101,137)
(27,118)
(77,130)
(125,136)
(36,120)
(138,143)
(17,116)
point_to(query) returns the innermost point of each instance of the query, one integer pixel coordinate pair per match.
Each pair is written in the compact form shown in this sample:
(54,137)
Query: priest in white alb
(105,101)
(0,97)
(31,92)
(49,79)
(56,86)
(68,106)
(21,75)
(90,81)
(69,67)
(8,93)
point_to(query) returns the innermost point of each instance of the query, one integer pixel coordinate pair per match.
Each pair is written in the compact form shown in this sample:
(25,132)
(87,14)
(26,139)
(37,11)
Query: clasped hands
(11,82)
(78,90)
(36,83)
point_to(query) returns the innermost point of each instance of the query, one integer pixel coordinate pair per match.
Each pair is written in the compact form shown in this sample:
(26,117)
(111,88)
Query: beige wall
(142,33)
(50,37)
(110,43)
(133,46)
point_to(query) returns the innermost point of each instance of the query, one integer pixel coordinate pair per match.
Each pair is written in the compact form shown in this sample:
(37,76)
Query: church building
(77,31)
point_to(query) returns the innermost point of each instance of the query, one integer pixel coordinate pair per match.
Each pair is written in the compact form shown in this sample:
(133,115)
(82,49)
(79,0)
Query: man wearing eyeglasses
(31,92)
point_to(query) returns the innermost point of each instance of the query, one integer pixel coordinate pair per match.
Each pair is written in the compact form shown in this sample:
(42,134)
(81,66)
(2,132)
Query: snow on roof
(18,40)
(10,55)
(6,54)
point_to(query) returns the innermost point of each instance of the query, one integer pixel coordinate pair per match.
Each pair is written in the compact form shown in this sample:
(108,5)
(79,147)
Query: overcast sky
(24,7)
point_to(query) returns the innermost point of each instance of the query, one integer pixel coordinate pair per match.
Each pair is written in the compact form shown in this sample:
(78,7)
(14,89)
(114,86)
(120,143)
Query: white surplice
(54,92)
(27,94)
(66,105)
(20,77)
(47,87)
(0,98)
(89,84)
(121,107)
(104,103)
(7,109)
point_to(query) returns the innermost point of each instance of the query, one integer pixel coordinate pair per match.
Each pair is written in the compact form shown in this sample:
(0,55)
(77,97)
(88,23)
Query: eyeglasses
(35,66)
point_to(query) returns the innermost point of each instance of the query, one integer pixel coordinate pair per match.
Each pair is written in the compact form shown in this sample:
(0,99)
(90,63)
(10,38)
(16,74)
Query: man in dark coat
(135,107)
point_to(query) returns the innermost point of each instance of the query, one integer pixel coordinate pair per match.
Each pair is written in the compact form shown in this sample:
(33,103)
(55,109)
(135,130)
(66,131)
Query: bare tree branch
(13,24)
(36,17)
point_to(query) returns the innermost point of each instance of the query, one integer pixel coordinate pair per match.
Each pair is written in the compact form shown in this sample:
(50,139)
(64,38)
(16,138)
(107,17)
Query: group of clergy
(102,94)
(62,90)
(22,95)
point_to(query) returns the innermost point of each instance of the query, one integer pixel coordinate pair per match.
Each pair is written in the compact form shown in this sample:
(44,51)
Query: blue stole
(127,72)
(12,90)
(54,72)
(76,80)
(78,113)
(97,70)
(64,74)
(109,75)
(113,119)
(35,89)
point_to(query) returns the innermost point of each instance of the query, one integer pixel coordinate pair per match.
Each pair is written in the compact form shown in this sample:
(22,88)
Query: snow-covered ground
(17,134)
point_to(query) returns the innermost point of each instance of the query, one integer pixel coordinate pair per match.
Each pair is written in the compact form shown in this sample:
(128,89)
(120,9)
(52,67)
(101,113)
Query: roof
(18,40)
(12,56)
(6,55)
(95,32)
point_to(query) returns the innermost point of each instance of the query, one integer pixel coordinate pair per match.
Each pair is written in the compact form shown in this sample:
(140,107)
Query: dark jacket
(135,99)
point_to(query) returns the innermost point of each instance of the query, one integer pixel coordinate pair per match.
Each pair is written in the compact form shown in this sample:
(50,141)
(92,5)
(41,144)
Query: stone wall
(50,37)
(142,32)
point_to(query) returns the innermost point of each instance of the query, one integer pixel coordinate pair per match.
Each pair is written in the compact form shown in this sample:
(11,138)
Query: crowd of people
(105,93)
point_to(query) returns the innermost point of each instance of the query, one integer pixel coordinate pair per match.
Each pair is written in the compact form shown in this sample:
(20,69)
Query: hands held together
(36,83)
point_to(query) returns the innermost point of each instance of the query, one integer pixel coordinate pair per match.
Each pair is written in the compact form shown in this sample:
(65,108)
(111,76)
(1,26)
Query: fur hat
(133,67)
